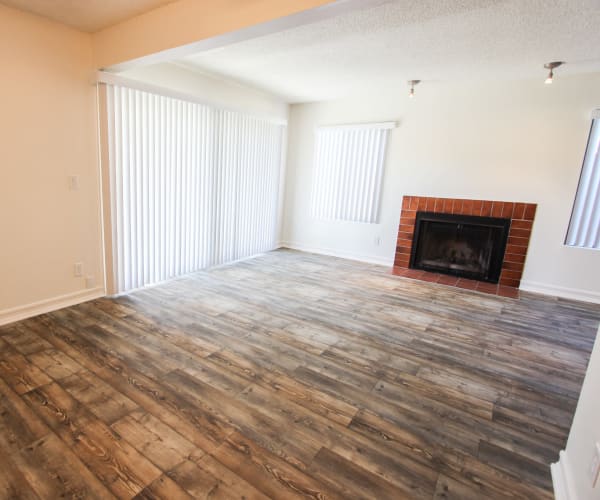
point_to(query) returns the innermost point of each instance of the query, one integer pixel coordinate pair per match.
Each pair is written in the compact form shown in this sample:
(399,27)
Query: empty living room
(324,249)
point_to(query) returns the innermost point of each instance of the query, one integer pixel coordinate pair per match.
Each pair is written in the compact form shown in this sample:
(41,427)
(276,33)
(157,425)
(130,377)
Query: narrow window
(584,227)
(348,171)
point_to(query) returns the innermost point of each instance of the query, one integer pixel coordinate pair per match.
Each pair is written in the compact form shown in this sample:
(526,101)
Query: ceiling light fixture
(412,84)
(551,66)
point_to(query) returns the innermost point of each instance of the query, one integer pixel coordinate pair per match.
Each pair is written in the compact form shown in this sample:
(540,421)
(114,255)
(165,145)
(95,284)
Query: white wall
(571,474)
(512,141)
(48,133)
(220,92)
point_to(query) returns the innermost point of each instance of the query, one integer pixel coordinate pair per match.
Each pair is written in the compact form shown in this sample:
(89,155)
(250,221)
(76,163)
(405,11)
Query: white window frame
(584,225)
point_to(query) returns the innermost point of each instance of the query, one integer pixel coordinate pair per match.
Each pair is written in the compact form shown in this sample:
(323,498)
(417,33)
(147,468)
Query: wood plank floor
(292,375)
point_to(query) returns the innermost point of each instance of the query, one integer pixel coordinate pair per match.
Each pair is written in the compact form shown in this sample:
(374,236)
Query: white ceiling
(87,15)
(432,40)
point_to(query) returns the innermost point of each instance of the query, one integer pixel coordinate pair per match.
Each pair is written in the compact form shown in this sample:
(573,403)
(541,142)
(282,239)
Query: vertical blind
(348,171)
(584,228)
(191,186)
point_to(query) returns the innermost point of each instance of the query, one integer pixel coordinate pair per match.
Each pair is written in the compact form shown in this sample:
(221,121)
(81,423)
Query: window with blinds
(348,171)
(584,227)
(191,186)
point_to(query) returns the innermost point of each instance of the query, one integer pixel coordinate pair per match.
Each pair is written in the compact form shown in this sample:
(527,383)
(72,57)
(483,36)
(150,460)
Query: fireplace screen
(461,245)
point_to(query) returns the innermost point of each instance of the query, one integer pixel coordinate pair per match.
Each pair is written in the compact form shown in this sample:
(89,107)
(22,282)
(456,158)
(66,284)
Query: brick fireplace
(521,217)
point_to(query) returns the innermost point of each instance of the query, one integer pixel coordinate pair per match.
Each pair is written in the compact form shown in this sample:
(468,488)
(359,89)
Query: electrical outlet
(595,466)
(90,282)
(78,269)
(377,241)
(74,182)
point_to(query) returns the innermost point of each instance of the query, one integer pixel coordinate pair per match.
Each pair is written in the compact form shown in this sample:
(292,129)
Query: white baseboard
(43,306)
(526,286)
(371,259)
(561,479)
(561,291)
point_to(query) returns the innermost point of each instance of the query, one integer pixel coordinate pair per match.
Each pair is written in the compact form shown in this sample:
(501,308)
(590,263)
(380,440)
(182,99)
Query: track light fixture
(412,84)
(551,66)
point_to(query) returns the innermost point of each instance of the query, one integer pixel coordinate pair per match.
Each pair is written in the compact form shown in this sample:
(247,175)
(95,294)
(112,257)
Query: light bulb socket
(412,84)
(551,66)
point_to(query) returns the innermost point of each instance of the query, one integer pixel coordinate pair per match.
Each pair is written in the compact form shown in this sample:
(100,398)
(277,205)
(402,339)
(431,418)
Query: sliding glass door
(189,186)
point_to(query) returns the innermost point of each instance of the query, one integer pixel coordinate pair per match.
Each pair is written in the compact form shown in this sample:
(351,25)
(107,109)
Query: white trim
(561,291)
(561,479)
(43,306)
(100,192)
(359,126)
(113,79)
(343,254)
(581,248)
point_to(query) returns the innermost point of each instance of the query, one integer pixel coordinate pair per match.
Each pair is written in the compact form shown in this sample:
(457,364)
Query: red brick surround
(521,221)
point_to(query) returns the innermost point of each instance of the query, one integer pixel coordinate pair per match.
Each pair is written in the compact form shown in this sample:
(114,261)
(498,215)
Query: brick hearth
(521,217)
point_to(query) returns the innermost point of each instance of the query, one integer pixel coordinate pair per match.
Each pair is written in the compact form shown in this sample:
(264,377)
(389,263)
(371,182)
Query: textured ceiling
(87,15)
(431,40)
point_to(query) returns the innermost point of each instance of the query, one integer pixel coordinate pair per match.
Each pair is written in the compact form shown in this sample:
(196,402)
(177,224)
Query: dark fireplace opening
(461,245)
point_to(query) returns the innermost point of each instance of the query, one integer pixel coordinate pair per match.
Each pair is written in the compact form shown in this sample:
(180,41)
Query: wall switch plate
(78,269)
(595,466)
(74,182)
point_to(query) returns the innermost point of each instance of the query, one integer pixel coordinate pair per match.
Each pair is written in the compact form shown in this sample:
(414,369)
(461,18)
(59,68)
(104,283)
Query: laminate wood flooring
(292,375)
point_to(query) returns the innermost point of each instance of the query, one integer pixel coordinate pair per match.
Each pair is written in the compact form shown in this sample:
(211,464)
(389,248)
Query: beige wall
(513,141)
(47,130)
